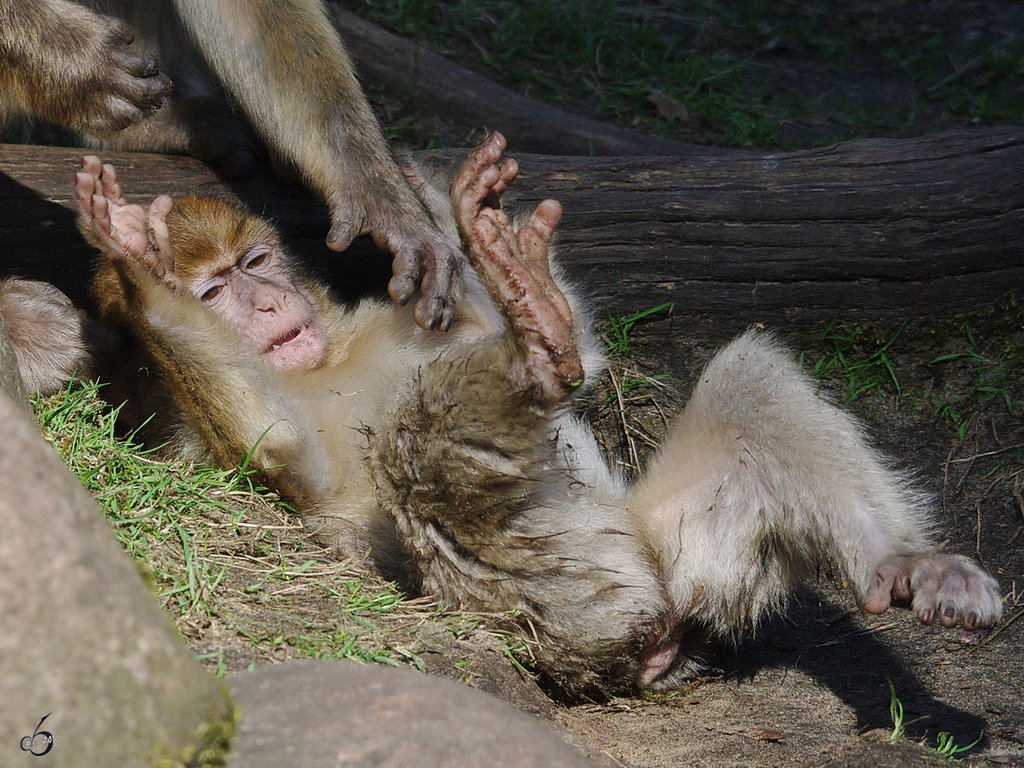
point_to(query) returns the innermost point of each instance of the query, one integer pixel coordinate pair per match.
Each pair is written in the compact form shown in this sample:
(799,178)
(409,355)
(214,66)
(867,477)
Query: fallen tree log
(873,228)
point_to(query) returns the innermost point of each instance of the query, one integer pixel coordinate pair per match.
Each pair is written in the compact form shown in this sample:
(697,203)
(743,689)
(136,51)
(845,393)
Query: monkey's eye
(210,293)
(256,258)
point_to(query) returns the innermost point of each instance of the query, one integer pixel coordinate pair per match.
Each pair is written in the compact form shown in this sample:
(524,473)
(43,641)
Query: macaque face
(239,270)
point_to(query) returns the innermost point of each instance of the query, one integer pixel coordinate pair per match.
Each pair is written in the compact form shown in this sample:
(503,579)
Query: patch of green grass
(617,333)
(221,551)
(735,72)
(339,643)
(895,714)
(991,377)
(603,50)
(858,356)
(617,337)
(945,742)
(143,497)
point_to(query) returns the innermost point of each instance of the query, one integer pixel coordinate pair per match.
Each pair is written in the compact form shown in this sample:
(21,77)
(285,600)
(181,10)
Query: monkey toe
(954,591)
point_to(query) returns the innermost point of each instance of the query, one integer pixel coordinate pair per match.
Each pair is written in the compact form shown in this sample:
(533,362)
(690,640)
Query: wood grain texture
(871,228)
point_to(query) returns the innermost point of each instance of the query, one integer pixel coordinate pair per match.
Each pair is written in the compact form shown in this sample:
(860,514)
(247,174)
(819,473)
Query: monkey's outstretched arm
(286,66)
(471,463)
(66,64)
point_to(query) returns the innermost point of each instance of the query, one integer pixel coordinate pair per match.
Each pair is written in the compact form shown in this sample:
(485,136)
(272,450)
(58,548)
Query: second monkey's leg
(470,466)
(759,480)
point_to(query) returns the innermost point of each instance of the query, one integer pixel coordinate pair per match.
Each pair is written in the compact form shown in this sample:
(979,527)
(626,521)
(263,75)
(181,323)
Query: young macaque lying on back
(457,455)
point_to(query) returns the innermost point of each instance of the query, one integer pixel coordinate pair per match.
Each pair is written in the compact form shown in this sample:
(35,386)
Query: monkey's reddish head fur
(207,235)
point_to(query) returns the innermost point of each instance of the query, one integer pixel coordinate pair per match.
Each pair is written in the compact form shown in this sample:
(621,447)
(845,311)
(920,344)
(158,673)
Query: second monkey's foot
(513,264)
(949,589)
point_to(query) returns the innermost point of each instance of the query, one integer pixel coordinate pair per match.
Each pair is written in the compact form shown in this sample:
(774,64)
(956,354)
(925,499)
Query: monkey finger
(429,313)
(88,179)
(118,114)
(138,64)
(539,227)
(472,202)
(109,178)
(112,185)
(91,165)
(103,234)
(508,169)
(401,288)
(101,213)
(344,228)
(486,154)
(119,31)
(85,187)
(448,314)
(436,308)
(406,271)
(158,234)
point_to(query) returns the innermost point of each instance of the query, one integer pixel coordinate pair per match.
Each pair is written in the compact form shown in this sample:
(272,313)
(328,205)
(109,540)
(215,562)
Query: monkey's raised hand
(124,231)
(513,264)
(69,65)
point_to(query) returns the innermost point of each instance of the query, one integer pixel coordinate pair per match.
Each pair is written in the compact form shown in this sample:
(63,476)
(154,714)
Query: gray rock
(82,641)
(10,378)
(323,714)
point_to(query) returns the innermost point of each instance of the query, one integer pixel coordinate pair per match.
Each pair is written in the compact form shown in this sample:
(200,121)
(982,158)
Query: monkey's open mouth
(293,334)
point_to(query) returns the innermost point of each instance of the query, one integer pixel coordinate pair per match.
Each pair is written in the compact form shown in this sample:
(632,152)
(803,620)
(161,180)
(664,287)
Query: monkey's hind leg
(760,478)
(52,341)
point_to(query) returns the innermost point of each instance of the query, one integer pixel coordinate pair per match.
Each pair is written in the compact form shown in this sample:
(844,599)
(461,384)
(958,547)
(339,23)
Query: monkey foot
(114,85)
(513,264)
(123,230)
(950,588)
(130,84)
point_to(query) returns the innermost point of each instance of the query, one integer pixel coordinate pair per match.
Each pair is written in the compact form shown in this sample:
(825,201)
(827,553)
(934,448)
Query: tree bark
(874,228)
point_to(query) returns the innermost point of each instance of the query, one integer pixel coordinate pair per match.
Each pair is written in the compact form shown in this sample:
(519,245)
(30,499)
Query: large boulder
(92,668)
